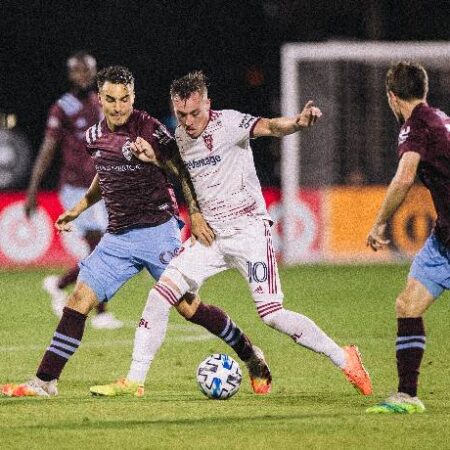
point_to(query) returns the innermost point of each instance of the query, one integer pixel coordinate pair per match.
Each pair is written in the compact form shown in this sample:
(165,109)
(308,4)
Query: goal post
(321,81)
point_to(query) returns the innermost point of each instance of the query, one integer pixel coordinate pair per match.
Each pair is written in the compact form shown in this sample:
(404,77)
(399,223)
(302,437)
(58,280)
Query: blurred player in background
(68,119)
(423,149)
(215,147)
(143,232)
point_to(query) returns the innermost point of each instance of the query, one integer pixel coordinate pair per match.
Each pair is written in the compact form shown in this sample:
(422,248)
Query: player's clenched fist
(309,115)
(143,150)
(63,221)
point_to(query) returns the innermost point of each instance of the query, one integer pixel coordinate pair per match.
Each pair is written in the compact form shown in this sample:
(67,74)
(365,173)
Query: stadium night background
(345,164)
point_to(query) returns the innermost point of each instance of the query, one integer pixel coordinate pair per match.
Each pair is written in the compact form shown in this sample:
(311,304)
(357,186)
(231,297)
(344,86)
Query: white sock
(149,335)
(306,333)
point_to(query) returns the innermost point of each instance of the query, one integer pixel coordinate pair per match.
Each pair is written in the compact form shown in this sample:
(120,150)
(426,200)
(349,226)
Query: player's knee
(404,306)
(188,305)
(175,280)
(162,296)
(83,299)
(270,318)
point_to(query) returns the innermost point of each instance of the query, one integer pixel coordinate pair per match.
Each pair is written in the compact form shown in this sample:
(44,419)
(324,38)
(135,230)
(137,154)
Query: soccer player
(215,147)
(143,232)
(68,119)
(423,149)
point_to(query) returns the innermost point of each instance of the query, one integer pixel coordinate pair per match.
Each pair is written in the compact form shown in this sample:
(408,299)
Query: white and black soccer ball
(219,376)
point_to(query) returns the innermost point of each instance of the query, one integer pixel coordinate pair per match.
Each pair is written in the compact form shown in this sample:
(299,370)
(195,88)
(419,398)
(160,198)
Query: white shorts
(250,251)
(93,219)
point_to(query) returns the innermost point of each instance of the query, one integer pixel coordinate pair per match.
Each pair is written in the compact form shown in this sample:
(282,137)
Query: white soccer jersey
(221,166)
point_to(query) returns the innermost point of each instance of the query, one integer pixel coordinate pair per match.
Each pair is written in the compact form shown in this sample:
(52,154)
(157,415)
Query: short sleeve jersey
(427,132)
(220,163)
(136,194)
(67,122)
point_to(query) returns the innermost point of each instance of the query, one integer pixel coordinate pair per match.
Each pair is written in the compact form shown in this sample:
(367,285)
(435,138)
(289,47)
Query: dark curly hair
(195,81)
(407,80)
(115,75)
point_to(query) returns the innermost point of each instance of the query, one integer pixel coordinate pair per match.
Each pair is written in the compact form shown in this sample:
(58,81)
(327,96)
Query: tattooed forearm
(176,166)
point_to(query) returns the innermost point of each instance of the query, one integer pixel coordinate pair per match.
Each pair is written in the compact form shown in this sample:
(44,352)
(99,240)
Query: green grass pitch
(311,405)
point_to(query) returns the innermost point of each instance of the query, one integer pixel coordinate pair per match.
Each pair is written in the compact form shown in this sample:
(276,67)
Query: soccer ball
(219,376)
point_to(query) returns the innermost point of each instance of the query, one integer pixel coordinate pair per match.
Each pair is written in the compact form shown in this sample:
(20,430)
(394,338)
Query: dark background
(236,43)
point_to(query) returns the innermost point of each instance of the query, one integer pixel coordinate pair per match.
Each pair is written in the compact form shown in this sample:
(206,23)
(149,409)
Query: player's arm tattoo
(177,167)
(279,126)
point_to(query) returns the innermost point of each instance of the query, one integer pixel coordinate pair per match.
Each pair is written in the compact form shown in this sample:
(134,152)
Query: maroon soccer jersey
(427,132)
(135,193)
(68,119)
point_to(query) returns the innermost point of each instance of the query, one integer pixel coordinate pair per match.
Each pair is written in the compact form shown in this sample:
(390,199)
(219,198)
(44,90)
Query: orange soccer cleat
(32,388)
(259,372)
(355,372)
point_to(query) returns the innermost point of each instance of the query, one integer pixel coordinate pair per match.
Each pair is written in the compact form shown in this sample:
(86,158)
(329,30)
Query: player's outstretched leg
(148,338)
(409,349)
(307,334)
(65,342)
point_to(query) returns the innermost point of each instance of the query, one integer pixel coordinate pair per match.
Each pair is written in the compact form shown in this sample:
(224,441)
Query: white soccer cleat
(32,388)
(106,321)
(58,296)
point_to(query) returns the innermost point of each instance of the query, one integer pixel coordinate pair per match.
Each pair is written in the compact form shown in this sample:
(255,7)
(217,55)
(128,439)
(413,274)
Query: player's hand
(63,221)
(308,116)
(376,239)
(200,230)
(143,150)
(30,205)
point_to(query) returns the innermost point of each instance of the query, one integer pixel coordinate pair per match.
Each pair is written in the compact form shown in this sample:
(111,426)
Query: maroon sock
(66,340)
(69,277)
(410,346)
(219,323)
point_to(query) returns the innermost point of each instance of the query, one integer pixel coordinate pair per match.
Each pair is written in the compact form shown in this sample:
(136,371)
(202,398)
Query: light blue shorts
(431,266)
(118,257)
(93,219)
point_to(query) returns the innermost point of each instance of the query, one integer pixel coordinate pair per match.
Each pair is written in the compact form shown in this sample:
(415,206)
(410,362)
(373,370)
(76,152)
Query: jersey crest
(126,150)
(208,139)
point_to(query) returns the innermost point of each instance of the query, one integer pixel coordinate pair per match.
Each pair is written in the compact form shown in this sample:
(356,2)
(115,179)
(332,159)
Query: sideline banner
(349,215)
(35,242)
(332,225)
(308,223)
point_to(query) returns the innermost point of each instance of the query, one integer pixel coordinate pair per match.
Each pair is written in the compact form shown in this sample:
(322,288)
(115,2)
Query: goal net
(355,141)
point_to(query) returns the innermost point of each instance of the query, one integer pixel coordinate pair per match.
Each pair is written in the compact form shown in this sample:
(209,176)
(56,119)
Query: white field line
(190,334)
